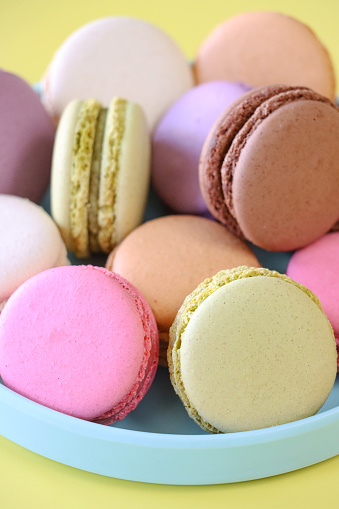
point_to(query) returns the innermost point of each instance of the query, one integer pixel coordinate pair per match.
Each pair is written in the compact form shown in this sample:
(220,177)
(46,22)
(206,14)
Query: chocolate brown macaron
(269,169)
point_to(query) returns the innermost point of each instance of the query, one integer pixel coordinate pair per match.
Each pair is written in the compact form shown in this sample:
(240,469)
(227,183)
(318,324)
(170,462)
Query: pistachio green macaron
(250,348)
(100,174)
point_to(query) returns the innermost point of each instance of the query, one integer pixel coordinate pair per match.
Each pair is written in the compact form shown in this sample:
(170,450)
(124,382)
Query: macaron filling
(95,167)
(114,132)
(93,225)
(80,174)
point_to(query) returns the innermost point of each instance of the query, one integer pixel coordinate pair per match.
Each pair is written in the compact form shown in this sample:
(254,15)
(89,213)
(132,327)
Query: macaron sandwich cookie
(167,257)
(269,168)
(262,48)
(100,173)
(31,243)
(250,348)
(80,340)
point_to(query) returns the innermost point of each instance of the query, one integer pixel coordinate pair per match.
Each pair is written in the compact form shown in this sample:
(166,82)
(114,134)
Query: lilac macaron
(178,140)
(26,139)
(317,267)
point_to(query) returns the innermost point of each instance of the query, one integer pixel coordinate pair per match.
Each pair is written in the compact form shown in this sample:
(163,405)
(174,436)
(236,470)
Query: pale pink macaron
(30,243)
(80,340)
(317,267)
(118,56)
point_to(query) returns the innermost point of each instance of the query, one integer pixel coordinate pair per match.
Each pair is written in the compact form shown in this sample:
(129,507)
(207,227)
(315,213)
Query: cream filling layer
(80,175)
(114,132)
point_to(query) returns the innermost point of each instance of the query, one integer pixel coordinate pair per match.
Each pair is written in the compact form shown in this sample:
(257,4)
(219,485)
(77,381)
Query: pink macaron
(26,139)
(80,340)
(317,267)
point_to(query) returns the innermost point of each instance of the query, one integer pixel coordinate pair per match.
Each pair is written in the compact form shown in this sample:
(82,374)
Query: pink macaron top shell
(317,267)
(26,140)
(178,140)
(79,340)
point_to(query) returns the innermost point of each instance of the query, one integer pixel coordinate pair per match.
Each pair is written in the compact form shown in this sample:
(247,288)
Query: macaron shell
(61,170)
(118,56)
(33,243)
(26,139)
(87,356)
(133,173)
(217,144)
(166,258)
(273,357)
(261,48)
(317,266)
(178,140)
(291,198)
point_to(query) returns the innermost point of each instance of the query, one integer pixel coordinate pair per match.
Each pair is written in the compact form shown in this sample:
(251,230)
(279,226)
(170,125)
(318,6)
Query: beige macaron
(250,348)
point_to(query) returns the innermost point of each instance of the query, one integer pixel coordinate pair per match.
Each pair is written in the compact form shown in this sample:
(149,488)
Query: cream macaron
(100,173)
(250,348)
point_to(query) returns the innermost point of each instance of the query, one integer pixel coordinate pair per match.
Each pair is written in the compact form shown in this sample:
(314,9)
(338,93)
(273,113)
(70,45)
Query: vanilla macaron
(100,174)
(250,348)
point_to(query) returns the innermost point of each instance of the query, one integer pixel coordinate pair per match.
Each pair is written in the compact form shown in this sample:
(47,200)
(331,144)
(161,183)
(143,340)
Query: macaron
(31,243)
(26,139)
(317,267)
(249,349)
(269,168)
(178,139)
(264,48)
(100,174)
(79,340)
(118,56)
(167,257)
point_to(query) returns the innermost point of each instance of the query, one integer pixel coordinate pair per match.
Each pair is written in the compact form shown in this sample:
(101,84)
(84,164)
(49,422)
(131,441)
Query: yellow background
(30,32)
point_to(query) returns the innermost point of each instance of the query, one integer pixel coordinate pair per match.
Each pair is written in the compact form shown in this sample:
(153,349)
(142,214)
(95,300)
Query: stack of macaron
(239,154)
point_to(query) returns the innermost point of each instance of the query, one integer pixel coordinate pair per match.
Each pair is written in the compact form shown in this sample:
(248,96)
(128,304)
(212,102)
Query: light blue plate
(159,443)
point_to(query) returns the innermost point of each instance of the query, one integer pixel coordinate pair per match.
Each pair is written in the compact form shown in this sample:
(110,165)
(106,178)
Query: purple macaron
(26,140)
(178,140)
